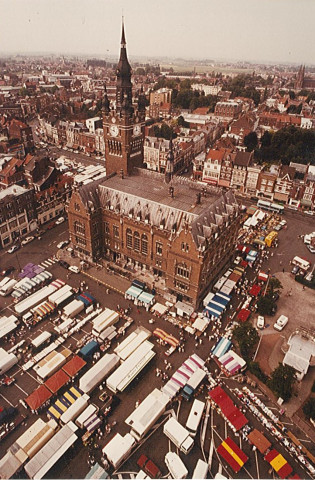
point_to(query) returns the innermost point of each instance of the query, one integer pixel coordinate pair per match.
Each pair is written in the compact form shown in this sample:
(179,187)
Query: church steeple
(123,72)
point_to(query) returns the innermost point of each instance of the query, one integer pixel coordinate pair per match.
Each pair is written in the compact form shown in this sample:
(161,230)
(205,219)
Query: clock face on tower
(114,130)
(137,130)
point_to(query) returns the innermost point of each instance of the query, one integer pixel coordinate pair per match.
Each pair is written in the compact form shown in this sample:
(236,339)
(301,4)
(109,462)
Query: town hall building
(167,226)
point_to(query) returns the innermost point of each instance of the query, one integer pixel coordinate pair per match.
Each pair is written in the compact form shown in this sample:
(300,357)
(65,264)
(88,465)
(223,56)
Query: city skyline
(169,29)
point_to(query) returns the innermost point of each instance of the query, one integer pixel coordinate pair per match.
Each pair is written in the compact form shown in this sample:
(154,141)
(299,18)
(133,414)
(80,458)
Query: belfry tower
(124,124)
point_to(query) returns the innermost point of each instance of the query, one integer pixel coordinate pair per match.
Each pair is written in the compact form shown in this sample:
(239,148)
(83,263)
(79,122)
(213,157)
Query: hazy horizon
(261,31)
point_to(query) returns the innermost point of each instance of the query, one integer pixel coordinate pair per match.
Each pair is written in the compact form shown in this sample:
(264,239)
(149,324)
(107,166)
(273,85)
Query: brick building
(17,214)
(168,226)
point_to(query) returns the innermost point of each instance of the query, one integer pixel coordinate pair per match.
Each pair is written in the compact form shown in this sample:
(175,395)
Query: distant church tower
(299,82)
(124,125)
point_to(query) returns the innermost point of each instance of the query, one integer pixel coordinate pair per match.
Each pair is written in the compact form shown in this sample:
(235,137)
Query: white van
(281,323)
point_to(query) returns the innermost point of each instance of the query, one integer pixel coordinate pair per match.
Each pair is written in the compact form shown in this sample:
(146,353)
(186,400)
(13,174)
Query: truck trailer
(178,435)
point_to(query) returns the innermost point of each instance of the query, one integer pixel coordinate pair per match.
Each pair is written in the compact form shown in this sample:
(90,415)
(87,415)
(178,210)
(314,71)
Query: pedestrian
(283,270)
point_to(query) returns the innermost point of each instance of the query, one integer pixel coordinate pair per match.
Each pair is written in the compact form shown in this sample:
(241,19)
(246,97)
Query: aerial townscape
(157,266)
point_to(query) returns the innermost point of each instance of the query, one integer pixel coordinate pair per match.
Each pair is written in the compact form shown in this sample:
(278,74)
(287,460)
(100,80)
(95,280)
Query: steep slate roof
(243,158)
(145,197)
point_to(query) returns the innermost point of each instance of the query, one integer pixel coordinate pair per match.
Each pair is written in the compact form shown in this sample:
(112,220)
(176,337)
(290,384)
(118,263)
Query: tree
(247,338)
(282,381)
(274,286)
(181,122)
(265,305)
(309,408)
(251,141)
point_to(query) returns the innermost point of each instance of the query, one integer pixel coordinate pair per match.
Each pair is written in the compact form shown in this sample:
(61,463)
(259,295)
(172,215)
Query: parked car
(7,270)
(295,270)
(283,223)
(260,321)
(51,225)
(311,248)
(74,269)
(149,467)
(27,240)
(281,323)
(62,244)
(63,263)
(14,248)
(60,220)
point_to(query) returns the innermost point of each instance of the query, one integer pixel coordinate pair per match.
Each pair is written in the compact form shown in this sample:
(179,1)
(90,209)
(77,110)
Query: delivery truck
(178,435)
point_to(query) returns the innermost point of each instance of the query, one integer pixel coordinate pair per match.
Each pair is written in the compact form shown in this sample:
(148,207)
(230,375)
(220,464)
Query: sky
(253,30)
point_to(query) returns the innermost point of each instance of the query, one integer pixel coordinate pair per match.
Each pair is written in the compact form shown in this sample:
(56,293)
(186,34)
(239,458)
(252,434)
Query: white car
(74,269)
(62,244)
(281,323)
(13,249)
(27,240)
(60,220)
(260,321)
(283,223)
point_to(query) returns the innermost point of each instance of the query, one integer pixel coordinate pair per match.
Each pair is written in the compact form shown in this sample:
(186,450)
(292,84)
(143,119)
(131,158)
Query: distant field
(204,68)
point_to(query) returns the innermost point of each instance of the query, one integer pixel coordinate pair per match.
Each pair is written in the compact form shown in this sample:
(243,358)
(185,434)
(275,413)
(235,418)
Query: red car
(148,467)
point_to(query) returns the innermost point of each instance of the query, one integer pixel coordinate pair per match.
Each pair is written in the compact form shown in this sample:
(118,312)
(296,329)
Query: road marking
(257,467)
(103,283)
(21,389)
(28,373)
(6,400)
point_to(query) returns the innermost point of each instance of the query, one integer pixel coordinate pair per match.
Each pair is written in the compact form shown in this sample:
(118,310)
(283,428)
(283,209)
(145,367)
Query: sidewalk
(106,277)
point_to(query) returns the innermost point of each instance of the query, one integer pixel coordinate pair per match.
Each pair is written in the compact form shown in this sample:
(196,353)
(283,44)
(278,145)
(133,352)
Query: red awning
(218,395)
(244,263)
(243,315)
(74,366)
(263,276)
(235,457)
(255,290)
(279,463)
(38,397)
(237,418)
(58,380)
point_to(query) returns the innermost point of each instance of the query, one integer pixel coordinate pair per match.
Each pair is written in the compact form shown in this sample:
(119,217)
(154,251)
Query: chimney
(198,198)
(171,191)
(121,174)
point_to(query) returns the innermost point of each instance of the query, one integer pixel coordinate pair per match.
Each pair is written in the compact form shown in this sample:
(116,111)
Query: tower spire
(123,72)
(123,38)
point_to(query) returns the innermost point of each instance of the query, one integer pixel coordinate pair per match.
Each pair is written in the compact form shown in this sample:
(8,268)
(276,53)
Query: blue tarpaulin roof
(221,347)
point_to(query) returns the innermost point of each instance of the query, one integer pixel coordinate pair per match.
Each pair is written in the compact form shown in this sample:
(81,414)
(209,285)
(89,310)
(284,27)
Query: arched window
(129,238)
(144,244)
(79,228)
(136,242)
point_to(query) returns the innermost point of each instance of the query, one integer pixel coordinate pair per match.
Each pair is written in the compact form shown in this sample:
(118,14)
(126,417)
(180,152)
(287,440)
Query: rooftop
(145,197)
(15,190)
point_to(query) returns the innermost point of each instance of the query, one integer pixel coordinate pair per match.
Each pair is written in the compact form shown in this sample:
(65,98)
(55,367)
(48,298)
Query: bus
(194,417)
(271,207)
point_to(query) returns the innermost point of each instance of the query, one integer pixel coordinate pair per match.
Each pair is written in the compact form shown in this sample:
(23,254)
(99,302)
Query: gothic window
(77,207)
(136,242)
(159,248)
(182,270)
(129,238)
(79,228)
(144,244)
(116,231)
(106,228)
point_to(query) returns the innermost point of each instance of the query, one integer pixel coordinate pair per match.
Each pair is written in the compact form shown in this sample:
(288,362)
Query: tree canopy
(247,338)
(309,408)
(282,381)
(289,144)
